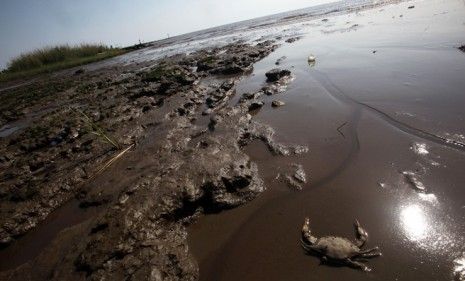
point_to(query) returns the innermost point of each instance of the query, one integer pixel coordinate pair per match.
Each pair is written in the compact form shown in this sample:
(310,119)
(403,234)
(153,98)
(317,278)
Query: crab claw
(306,233)
(306,226)
(360,234)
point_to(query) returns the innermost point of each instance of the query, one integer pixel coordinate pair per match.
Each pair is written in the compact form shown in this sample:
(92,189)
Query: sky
(29,24)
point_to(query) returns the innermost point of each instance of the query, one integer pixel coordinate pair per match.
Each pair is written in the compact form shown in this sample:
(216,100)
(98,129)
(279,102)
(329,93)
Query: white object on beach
(311,58)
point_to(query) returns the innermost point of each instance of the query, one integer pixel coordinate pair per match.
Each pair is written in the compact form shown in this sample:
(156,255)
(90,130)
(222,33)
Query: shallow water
(396,163)
(35,241)
(285,25)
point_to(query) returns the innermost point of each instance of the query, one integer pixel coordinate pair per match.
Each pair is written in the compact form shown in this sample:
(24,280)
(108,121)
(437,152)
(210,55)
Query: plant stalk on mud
(96,130)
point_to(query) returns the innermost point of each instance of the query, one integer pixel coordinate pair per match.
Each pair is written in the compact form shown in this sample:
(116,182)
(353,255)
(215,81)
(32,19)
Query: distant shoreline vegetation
(54,58)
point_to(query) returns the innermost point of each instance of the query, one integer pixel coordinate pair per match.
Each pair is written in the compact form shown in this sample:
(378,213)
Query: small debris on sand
(292,40)
(250,96)
(292,183)
(311,58)
(413,180)
(297,179)
(300,149)
(462,48)
(411,7)
(277,103)
(419,148)
(280,60)
(300,174)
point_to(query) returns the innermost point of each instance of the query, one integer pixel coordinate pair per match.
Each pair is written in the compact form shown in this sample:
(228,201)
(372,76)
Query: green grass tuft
(96,130)
(50,59)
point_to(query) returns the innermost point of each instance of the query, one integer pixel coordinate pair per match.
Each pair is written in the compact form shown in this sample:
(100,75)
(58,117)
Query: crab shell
(336,248)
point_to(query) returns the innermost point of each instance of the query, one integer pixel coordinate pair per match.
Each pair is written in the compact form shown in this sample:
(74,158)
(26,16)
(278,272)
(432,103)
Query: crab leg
(360,234)
(370,255)
(369,250)
(358,265)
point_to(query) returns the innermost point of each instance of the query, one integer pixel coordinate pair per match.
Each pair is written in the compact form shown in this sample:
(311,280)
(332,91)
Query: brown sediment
(132,213)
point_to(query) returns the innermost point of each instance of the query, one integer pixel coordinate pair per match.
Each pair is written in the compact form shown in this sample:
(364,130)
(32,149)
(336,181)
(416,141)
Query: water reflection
(420,148)
(459,268)
(429,197)
(414,222)
(422,225)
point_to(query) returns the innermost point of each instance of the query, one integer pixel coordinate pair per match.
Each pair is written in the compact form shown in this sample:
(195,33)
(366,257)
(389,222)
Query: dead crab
(338,249)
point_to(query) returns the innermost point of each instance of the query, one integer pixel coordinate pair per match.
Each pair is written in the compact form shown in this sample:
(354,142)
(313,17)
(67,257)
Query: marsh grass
(95,129)
(50,59)
(99,132)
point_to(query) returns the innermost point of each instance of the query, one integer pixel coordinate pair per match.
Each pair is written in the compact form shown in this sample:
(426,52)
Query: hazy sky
(29,24)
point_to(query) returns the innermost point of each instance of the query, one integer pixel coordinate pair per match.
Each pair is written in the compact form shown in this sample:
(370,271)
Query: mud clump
(296,179)
(277,103)
(293,39)
(237,60)
(256,105)
(276,74)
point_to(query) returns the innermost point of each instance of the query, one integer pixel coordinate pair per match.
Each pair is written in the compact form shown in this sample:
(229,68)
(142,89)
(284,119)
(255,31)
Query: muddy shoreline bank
(136,209)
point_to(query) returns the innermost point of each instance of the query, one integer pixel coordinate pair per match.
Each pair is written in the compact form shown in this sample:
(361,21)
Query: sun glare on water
(414,222)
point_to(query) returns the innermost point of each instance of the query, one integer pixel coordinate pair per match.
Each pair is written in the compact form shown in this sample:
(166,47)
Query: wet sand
(395,83)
